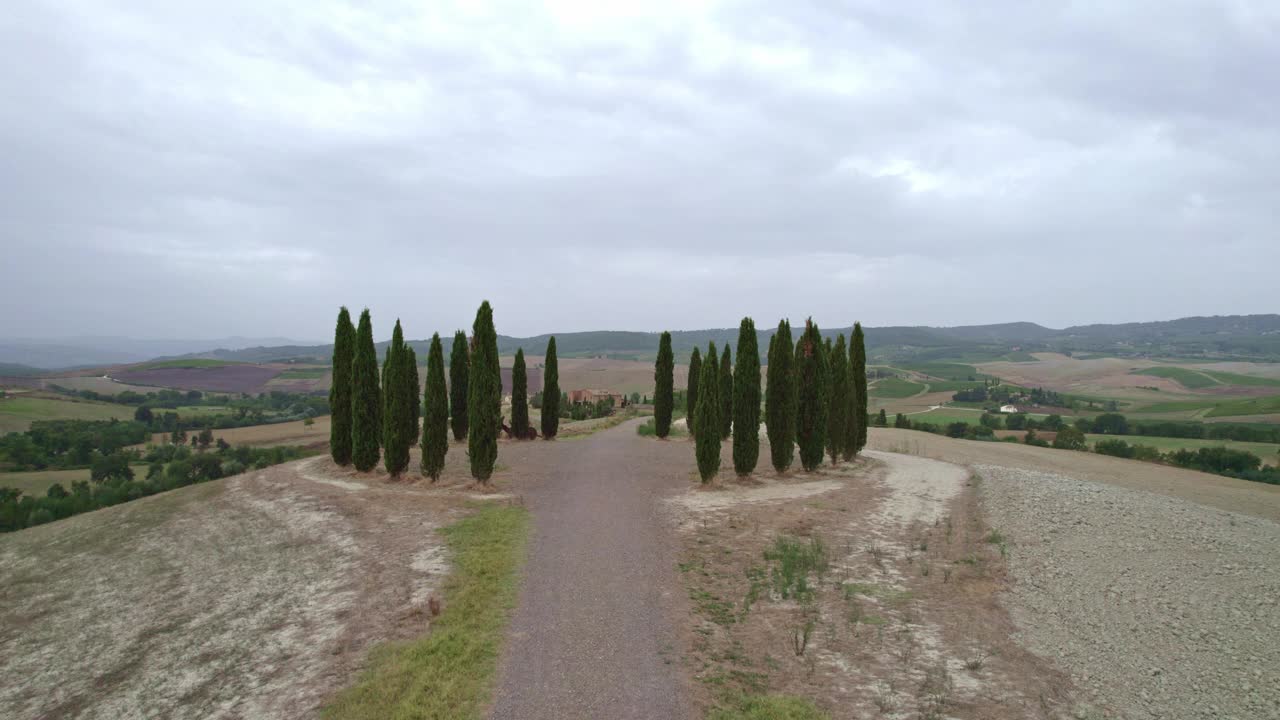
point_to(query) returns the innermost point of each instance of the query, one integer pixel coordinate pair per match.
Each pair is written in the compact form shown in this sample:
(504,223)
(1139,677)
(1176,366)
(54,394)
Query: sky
(204,169)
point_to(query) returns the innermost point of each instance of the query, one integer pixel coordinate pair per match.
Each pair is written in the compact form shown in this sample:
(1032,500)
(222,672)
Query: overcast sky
(202,169)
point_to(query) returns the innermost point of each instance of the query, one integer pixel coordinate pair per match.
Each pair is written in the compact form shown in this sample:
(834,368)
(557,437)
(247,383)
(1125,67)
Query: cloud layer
(180,169)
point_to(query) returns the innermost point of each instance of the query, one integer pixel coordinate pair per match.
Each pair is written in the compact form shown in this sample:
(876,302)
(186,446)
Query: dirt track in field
(593,634)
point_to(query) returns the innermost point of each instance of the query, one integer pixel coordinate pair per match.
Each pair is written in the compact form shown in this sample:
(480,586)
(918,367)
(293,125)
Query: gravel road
(1159,607)
(593,633)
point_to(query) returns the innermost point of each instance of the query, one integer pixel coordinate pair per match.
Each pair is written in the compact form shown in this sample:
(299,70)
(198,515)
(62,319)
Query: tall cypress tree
(551,392)
(519,396)
(412,386)
(435,410)
(344,339)
(459,372)
(484,396)
(746,401)
(858,370)
(811,396)
(366,400)
(691,391)
(707,435)
(838,412)
(780,398)
(663,387)
(397,406)
(726,394)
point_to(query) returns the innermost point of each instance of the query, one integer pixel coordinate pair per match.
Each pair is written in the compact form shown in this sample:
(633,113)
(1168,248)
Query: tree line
(376,412)
(815,398)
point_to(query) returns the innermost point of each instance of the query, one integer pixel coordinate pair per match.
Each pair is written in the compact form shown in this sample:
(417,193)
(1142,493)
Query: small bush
(792,562)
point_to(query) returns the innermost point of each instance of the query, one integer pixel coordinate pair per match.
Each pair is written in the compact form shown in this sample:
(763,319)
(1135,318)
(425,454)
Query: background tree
(746,401)
(435,410)
(780,398)
(664,387)
(551,392)
(519,396)
(707,435)
(839,411)
(459,372)
(398,403)
(725,391)
(691,391)
(858,374)
(412,386)
(344,337)
(811,396)
(366,400)
(484,396)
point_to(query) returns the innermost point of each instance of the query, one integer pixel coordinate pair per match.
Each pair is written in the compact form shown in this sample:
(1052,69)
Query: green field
(952,385)
(948,415)
(1193,379)
(894,387)
(17,413)
(1270,453)
(189,363)
(1227,378)
(1222,408)
(38,482)
(303,373)
(943,370)
(188,411)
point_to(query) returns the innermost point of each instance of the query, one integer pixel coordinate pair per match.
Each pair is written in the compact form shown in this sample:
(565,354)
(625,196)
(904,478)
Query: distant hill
(97,351)
(1242,337)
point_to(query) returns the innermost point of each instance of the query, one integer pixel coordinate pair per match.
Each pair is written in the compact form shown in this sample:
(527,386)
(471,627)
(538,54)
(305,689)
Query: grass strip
(448,673)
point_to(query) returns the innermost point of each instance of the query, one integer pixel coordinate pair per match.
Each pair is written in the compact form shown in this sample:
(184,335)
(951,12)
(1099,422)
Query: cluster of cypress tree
(344,338)
(435,413)
(726,394)
(707,430)
(366,425)
(746,401)
(551,392)
(811,396)
(519,396)
(664,387)
(691,390)
(780,399)
(459,369)
(484,396)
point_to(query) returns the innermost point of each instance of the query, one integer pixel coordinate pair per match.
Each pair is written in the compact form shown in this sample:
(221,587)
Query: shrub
(1069,438)
(1115,448)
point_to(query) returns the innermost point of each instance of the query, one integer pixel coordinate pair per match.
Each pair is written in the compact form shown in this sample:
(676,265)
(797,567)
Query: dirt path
(593,634)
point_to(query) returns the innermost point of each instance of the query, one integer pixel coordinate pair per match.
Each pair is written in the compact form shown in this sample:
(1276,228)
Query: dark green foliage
(551,392)
(857,425)
(664,387)
(746,401)
(811,396)
(459,372)
(344,338)
(780,399)
(691,392)
(839,412)
(726,394)
(707,433)
(519,397)
(398,403)
(435,413)
(412,386)
(1069,438)
(484,396)
(882,420)
(366,399)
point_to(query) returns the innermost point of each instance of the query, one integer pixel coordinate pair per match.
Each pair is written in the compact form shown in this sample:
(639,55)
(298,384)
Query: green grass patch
(895,387)
(1174,406)
(188,363)
(18,411)
(1267,451)
(944,370)
(302,373)
(1186,377)
(648,428)
(448,673)
(952,385)
(766,707)
(1248,406)
(37,482)
(1227,378)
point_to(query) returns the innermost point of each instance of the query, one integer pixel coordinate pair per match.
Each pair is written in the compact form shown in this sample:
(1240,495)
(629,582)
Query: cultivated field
(38,482)
(19,410)
(296,432)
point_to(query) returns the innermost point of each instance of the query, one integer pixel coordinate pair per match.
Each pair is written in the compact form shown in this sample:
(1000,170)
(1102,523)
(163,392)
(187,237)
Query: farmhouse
(1011,409)
(593,396)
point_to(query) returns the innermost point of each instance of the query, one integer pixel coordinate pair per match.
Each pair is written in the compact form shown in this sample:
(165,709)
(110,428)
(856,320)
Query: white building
(1011,409)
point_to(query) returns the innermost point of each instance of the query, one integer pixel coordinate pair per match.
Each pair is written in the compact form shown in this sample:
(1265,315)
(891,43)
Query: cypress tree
(663,387)
(811,396)
(459,373)
(780,398)
(519,396)
(726,394)
(484,396)
(746,400)
(838,413)
(858,371)
(344,338)
(412,386)
(551,392)
(707,434)
(398,403)
(435,409)
(691,391)
(366,425)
